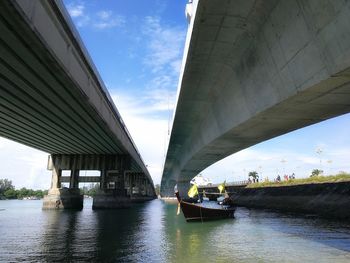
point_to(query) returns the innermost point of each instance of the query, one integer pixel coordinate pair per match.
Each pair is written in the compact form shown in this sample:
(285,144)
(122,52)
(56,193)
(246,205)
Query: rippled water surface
(152,232)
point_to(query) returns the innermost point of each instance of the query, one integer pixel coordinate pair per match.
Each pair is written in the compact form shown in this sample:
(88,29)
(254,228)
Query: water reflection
(126,235)
(327,232)
(152,232)
(254,236)
(59,237)
(115,232)
(194,242)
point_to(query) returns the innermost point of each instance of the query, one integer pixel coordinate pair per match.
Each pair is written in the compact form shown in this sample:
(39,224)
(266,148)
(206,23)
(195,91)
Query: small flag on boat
(193,191)
(221,187)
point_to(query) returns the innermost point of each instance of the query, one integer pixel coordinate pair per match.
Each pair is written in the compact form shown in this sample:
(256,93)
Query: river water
(152,232)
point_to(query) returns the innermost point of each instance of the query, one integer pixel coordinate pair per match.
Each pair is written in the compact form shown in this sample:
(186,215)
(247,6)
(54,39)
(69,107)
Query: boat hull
(197,212)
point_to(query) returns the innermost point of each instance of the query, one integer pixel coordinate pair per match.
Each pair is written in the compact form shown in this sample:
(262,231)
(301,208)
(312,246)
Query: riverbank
(342,177)
(329,200)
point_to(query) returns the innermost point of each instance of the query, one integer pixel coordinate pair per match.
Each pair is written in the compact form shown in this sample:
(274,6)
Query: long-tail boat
(201,211)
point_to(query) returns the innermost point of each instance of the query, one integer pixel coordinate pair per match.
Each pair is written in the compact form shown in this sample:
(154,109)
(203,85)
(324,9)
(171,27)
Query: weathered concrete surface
(330,200)
(253,70)
(112,199)
(64,198)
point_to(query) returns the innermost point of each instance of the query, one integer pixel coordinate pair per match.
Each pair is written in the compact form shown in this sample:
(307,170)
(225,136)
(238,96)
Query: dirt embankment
(331,200)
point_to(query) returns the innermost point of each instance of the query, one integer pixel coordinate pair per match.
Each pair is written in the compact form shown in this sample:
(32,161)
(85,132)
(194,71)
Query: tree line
(90,190)
(8,191)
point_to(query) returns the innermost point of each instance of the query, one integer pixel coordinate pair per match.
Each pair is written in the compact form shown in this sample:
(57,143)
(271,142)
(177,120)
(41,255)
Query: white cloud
(147,114)
(24,166)
(103,19)
(76,10)
(153,102)
(308,160)
(269,163)
(105,15)
(165,45)
(147,130)
(106,19)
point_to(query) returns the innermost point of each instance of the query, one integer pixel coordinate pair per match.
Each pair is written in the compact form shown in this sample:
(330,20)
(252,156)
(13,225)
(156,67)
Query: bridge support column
(131,184)
(74,179)
(112,193)
(140,189)
(118,185)
(103,179)
(63,198)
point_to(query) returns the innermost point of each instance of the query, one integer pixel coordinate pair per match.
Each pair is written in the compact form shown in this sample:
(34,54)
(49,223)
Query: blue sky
(137,47)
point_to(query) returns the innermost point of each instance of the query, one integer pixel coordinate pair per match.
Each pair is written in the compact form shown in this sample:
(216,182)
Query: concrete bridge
(53,99)
(253,70)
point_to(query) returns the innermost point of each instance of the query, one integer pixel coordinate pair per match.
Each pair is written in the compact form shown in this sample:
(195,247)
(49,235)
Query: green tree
(7,190)
(10,194)
(157,189)
(5,185)
(254,175)
(90,190)
(38,193)
(316,172)
(93,189)
(23,192)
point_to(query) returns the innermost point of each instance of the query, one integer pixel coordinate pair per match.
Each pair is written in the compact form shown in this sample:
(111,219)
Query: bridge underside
(51,95)
(255,70)
(40,104)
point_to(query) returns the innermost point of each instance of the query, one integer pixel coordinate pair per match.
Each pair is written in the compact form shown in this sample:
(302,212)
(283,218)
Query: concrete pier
(110,199)
(63,198)
(119,187)
(112,192)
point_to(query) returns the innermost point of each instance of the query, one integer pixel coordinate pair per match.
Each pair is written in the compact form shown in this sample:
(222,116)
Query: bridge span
(253,70)
(53,99)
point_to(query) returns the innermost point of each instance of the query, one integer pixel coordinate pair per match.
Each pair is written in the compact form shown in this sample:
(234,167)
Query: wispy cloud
(165,45)
(152,103)
(102,19)
(76,10)
(149,132)
(106,19)
(147,114)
